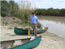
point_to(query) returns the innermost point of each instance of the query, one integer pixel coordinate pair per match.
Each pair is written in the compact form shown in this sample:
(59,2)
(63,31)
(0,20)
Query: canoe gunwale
(13,40)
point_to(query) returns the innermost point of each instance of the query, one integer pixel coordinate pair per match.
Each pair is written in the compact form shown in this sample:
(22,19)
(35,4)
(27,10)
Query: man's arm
(37,22)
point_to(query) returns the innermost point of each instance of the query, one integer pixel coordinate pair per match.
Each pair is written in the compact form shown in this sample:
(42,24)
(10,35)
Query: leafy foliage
(50,12)
(12,9)
(4,8)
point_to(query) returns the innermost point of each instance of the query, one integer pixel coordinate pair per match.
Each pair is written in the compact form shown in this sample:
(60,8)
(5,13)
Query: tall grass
(25,12)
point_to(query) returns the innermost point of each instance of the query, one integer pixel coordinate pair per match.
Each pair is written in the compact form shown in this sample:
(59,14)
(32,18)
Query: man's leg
(35,30)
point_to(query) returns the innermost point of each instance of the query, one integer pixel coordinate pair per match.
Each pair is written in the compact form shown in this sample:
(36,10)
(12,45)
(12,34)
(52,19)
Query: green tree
(4,8)
(50,12)
(13,8)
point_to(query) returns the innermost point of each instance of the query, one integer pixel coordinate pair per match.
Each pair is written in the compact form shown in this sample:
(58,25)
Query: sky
(45,3)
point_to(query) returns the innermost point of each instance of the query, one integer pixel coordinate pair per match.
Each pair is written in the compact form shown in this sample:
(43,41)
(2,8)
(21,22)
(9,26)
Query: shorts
(34,26)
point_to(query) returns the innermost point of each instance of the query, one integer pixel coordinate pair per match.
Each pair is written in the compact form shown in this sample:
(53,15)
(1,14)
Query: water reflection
(57,28)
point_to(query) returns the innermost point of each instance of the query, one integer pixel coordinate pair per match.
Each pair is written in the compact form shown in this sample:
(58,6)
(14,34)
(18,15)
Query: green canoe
(21,31)
(27,45)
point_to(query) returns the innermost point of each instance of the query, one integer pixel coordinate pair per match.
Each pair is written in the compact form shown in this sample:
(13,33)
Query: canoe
(21,31)
(29,44)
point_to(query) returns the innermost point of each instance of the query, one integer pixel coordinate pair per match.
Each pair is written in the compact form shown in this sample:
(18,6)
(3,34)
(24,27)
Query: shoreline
(9,34)
(49,40)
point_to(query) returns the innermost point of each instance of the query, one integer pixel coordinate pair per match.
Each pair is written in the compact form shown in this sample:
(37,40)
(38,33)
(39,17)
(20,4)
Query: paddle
(28,26)
(29,31)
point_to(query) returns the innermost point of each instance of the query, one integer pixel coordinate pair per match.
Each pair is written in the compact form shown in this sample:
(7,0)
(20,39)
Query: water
(56,25)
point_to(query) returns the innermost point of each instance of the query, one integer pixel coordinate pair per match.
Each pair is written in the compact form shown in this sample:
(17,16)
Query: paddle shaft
(28,27)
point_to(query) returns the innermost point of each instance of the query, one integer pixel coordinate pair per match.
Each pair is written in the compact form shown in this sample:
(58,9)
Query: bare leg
(35,32)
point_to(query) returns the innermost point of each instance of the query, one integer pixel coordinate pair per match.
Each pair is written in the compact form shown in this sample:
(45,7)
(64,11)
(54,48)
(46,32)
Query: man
(34,23)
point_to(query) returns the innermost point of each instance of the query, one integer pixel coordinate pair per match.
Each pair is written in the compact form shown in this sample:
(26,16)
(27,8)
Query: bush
(3,14)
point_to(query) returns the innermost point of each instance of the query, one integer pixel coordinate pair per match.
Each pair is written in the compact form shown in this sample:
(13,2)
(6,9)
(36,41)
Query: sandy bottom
(49,40)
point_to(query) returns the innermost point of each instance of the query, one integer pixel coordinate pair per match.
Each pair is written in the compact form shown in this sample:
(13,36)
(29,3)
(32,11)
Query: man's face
(33,14)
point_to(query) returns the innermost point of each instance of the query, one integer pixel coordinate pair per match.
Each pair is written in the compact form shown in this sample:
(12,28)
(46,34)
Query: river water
(56,25)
